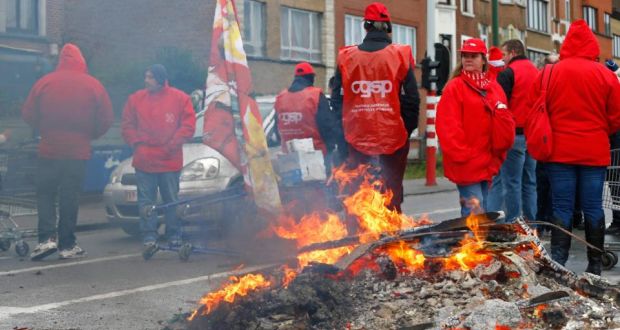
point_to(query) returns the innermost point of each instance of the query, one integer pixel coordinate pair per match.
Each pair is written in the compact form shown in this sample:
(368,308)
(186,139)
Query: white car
(205,173)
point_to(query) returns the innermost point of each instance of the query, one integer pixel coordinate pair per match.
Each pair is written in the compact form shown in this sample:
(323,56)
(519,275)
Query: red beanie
(495,54)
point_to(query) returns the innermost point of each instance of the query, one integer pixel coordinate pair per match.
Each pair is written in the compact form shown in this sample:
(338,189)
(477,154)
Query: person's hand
(5,136)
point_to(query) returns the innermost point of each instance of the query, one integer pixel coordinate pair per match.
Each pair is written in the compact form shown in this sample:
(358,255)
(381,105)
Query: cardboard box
(297,167)
(303,145)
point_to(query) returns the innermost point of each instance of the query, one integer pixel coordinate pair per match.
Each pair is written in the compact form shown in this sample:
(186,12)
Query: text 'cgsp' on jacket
(156,124)
(68,108)
(583,101)
(297,116)
(465,131)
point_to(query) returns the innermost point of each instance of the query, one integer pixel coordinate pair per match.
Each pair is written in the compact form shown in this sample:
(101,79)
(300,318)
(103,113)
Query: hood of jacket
(71,58)
(580,42)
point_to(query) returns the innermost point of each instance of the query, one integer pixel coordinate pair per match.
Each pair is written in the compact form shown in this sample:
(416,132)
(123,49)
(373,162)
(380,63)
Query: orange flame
(240,287)
(539,310)
(289,275)
(468,256)
(313,229)
(402,253)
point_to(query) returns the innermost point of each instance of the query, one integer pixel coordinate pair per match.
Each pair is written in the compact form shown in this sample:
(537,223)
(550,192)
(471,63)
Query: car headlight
(201,169)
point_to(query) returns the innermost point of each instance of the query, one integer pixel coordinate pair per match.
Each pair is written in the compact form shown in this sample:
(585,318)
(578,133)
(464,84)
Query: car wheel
(132,229)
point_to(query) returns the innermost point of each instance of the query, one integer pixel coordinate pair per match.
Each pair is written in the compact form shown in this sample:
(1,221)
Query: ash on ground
(501,294)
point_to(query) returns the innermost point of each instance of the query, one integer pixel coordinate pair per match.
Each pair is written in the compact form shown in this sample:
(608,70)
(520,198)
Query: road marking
(68,264)
(3,258)
(8,311)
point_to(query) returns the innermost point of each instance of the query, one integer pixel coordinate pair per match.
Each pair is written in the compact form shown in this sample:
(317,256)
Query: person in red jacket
(474,127)
(583,102)
(515,185)
(303,112)
(376,95)
(156,122)
(68,108)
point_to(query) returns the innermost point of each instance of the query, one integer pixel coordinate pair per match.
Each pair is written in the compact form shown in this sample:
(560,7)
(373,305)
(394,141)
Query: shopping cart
(17,196)
(611,192)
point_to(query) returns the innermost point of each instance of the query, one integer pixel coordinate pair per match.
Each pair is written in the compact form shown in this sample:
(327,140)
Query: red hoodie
(69,108)
(156,124)
(583,101)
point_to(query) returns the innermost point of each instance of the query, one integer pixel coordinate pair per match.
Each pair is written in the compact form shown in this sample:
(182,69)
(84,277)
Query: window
(607,20)
(444,2)
(589,15)
(254,28)
(484,33)
(22,16)
(467,6)
(616,50)
(353,30)
(406,35)
(567,10)
(537,18)
(537,57)
(300,35)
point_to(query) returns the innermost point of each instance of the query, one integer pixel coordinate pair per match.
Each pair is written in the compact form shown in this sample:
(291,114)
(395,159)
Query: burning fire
(402,254)
(240,287)
(468,256)
(289,275)
(314,229)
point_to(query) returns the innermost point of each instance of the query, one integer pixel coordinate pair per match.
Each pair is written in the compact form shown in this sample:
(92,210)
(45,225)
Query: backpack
(537,129)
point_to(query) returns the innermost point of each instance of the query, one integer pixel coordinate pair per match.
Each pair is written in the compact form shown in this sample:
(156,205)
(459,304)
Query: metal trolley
(611,191)
(17,197)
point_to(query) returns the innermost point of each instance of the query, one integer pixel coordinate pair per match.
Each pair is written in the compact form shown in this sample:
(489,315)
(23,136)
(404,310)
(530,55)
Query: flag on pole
(232,123)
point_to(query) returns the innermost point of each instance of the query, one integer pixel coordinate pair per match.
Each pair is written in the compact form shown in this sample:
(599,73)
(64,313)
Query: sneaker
(149,249)
(44,249)
(72,253)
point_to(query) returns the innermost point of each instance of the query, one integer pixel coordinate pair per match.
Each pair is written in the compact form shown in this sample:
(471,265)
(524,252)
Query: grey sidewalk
(418,187)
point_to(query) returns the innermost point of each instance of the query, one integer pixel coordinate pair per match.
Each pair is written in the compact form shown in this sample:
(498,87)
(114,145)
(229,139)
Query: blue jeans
(478,191)
(571,181)
(168,185)
(515,186)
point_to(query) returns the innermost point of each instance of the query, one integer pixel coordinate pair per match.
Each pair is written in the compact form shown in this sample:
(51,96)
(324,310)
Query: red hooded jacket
(69,108)
(583,101)
(156,125)
(465,130)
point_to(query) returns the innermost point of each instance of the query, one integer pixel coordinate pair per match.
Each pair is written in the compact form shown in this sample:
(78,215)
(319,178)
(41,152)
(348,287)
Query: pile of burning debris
(466,273)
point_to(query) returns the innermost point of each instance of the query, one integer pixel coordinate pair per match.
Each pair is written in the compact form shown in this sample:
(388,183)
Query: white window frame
(469,11)
(590,16)
(313,53)
(444,2)
(538,15)
(540,55)
(19,22)
(616,46)
(567,10)
(483,30)
(607,24)
(406,35)
(254,41)
(353,30)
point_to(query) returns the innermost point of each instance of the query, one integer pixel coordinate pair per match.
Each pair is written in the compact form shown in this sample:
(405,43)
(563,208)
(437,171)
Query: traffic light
(437,71)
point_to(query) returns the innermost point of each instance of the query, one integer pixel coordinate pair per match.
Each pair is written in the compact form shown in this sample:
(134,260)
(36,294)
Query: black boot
(595,235)
(578,222)
(560,242)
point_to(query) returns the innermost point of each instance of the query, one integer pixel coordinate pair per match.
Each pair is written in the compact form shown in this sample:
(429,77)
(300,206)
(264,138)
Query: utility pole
(431,99)
(495,22)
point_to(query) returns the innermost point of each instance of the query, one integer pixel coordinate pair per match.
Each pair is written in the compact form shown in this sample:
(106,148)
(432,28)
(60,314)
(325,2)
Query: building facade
(30,34)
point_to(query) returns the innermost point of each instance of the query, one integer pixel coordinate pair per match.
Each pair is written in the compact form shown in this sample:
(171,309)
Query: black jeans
(59,179)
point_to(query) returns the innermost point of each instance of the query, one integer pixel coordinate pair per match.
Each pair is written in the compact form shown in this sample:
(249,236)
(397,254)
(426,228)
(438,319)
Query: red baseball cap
(376,12)
(303,68)
(495,54)
(473,45)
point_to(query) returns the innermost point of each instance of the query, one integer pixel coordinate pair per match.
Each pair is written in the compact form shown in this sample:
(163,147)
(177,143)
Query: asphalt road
(114,288)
